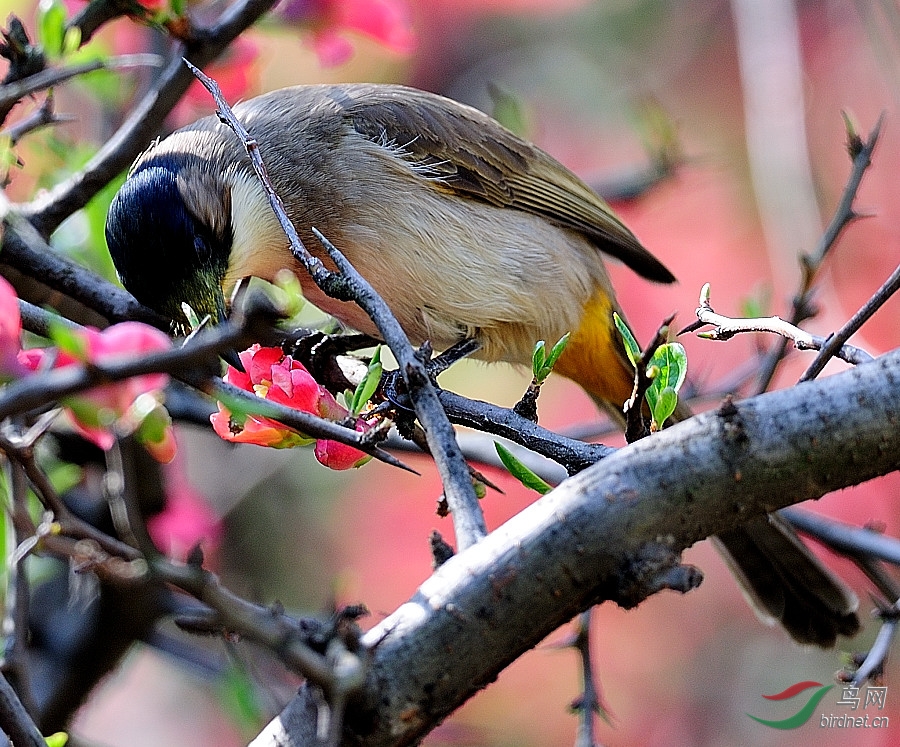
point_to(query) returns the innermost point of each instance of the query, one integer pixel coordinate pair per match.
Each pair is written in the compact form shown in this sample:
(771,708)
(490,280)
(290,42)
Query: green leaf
(64,476)
(366,388)
(632,349)
(508,110)
(290,299)
(557,350)
(71,40)
(191,315)
(520,471)
(240,699)
(152,417)
(538,356)
(68,340)
(669,366)
(58,739)
(51,26)
(542,362)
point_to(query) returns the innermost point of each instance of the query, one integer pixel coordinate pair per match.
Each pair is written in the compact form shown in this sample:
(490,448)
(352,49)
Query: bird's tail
(784,581)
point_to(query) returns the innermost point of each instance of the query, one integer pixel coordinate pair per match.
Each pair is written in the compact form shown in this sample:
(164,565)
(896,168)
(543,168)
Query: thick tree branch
(602,528)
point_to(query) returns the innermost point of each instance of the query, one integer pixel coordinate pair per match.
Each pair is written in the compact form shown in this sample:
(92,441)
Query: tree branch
(602,528)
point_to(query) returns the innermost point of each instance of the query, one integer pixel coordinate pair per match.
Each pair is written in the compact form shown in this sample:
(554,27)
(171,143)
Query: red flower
(274,376)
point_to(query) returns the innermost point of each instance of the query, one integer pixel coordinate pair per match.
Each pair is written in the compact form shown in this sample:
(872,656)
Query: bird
(468,231)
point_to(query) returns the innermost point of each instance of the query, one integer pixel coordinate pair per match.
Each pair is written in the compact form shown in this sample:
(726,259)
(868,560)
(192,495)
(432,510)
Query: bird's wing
(466,152)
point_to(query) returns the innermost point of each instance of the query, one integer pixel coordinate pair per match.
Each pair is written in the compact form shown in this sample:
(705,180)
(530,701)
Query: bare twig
(836,343)
(726,327)
(266,626)
(43,116)
(588,703)
(861,155)
(10,93)
(877,655)
(843,538)
(350,285)
(14,719)
(573,455)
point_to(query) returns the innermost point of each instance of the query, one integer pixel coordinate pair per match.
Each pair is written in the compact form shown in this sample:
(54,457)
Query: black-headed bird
(465,229)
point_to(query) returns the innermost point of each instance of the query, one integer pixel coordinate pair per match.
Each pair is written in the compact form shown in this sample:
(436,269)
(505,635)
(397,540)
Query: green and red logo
(804,714)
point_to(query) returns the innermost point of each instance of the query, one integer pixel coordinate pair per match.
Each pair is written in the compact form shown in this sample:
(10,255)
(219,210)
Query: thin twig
(15,721)
(726,327)
(843,538)
(43,116)
(266,626)
(589,703)
(836,342)
(861,156)
(573,455)
(10,93)
(350,285)
(877,655)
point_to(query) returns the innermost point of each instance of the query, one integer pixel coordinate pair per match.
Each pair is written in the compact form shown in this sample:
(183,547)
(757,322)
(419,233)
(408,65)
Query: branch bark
(613,532)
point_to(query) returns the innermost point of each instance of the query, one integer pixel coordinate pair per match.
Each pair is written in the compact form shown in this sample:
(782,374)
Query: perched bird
(465,229)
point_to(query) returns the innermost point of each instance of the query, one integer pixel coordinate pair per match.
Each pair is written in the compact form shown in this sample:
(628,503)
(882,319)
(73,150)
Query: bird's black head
(165,253)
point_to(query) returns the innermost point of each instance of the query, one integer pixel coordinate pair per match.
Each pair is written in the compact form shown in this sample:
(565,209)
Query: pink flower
(187,519)
(95,412)
(274,376)
(386,21)
(131,404)
(10,331)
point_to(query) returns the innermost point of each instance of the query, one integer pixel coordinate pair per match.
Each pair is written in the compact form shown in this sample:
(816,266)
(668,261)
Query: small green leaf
(240,699)
(542,362)
(58,739)
(51,26)
(64,476)
(632,349)
(177,7)
(520,471)
(290,300)
(666,403)
(71,40)
(557,350)
(366,388)
(669,369)
(68,340)
(191,315)
(538,356)
(152,417)
(757,304)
